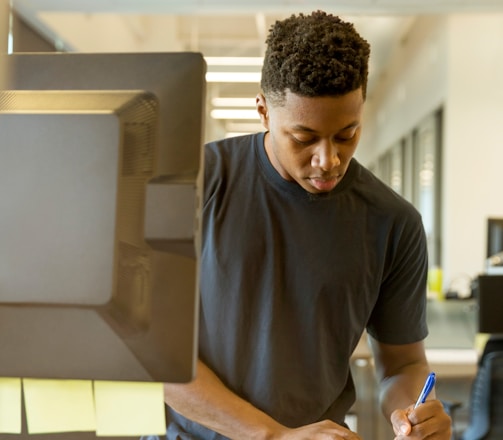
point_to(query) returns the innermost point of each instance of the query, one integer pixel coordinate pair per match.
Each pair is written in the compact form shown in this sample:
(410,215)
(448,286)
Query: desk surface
(452,324)
(450,345)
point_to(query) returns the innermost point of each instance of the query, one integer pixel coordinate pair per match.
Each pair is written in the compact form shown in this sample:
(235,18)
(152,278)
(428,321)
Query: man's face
(312,140)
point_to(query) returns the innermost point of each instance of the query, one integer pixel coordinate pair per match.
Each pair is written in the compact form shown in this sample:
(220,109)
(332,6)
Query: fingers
(324,430)
(426,421)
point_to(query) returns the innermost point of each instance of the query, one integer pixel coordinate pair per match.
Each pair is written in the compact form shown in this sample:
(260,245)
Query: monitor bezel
(177,80)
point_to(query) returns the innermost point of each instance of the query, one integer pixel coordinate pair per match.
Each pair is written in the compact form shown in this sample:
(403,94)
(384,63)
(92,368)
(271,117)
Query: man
(304,249)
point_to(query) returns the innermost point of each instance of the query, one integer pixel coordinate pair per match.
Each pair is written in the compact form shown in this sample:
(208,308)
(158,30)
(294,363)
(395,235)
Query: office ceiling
(252,6)
(234,28)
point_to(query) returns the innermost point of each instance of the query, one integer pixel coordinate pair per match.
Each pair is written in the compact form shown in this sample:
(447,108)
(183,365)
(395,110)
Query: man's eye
(343,139)
(346,137)
(303,141)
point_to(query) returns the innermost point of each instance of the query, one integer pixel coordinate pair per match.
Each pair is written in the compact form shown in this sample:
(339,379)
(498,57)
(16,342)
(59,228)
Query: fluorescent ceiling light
(233,102)
(234,114)
(234,61)
(233,77)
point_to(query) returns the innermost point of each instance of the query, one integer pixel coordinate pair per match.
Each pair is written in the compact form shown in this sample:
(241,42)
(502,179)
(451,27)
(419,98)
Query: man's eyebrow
(300,127)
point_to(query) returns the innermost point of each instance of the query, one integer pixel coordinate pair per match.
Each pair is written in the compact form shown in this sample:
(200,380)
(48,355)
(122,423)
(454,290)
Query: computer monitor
(494,236)
(490,303)
(100,193)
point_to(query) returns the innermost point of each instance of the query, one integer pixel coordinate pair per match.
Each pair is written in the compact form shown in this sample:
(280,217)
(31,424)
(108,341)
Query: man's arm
(401,372)
(207,401)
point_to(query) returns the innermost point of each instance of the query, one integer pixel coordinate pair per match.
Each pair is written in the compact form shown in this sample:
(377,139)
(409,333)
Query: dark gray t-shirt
(289,281)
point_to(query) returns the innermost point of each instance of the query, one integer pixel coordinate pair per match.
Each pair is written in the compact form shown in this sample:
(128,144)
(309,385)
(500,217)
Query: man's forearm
(401,371)
(207,401)
(402,389)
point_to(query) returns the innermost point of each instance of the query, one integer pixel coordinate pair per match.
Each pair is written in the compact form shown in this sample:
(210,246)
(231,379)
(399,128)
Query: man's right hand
(207,401)
(324,430)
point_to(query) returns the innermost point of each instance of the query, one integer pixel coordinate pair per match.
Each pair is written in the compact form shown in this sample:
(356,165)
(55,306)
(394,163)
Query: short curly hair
(314,55)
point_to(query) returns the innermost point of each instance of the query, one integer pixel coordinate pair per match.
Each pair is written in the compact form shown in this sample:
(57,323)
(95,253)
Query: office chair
(486,398)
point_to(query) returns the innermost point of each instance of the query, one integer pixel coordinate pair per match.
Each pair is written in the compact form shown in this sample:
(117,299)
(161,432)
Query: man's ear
(261,105)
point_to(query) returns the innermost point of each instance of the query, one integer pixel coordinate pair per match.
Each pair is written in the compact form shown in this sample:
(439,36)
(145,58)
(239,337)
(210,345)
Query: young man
(304,249)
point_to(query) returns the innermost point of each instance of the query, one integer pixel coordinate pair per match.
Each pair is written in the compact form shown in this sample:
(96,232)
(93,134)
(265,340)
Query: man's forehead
(306,112)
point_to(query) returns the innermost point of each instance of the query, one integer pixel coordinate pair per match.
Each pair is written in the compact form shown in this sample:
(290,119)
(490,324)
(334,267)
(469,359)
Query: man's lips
(325,183)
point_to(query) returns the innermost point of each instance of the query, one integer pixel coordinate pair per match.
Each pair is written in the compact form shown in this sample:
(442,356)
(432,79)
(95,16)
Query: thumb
(400,422)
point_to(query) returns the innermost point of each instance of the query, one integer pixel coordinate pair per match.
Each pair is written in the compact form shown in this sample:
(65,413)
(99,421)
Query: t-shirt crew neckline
(293,188)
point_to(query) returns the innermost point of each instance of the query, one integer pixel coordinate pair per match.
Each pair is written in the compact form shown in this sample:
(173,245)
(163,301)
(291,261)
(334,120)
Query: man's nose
(326,156)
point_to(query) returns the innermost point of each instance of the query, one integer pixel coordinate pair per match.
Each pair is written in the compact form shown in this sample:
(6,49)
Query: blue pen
(428,386)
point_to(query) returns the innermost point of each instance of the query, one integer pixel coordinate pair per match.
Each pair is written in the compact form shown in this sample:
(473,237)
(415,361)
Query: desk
(451,352)
(450,345)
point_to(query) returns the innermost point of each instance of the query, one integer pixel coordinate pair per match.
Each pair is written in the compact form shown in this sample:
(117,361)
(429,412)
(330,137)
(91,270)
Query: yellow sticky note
(59,405)
(481,341)
(129,408)
(10,405)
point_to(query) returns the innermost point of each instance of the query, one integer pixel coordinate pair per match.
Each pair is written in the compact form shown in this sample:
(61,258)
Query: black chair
(486,398)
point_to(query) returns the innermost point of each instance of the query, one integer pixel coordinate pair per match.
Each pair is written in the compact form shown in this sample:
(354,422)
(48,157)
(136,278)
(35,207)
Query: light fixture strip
(233,102)
(233,77)
(234,61)
(234,114)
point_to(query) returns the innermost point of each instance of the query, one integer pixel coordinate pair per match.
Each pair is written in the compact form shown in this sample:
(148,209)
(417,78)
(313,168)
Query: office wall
(414,85)
(473,151)
(454,61)
(26,39)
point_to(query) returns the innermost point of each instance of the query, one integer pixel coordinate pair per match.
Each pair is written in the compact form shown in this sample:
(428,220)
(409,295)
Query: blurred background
(433,123)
